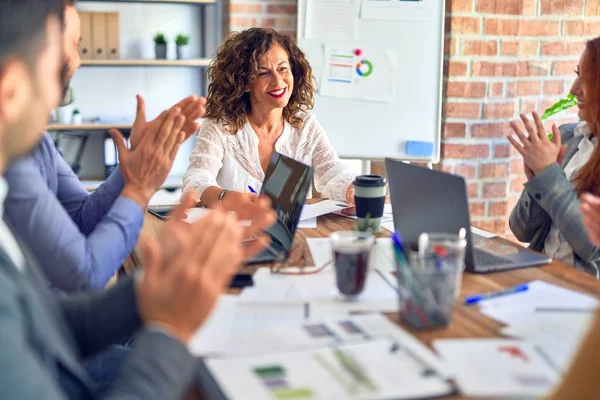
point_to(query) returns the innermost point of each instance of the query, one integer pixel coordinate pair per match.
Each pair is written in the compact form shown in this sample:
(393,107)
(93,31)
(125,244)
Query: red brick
(501,150)
(592,8)
(562,7)
(487,68)
(493,170)
(493,190)
(560,68)
(533,68)
(246,8)
(461,110)
(504,27)
(465,89)
(520,48)
(516,167)
(512,201)
(466,171)
(466,151)
(242,22)
(282,9)
(511,7)
(563,48)
(528,106)
(490,130)
(463,25)
(514,27)
(449,168)
(450,46)
(498,110)
(479,47)
(454,130)
(455,68)
(498,209)
(554,87)
(454,6)
(516,184)
(496,89)
(581,28)
(279,23)
(473,190)
(494,226)
(524,88)
(477,209)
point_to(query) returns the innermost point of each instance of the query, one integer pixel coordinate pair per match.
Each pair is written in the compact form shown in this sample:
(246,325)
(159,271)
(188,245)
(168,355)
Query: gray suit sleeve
(159,367)
(555,194)
(22,372)
(100,319)
(526,218)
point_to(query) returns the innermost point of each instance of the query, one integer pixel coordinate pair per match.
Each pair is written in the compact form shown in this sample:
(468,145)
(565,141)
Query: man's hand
(537,150)
(590,207)
(191,107)
(146,166)
(186,273)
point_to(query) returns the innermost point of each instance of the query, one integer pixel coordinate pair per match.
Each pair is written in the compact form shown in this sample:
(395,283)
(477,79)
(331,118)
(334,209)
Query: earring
(247,91)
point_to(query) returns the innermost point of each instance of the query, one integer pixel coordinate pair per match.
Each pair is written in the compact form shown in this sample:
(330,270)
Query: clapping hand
(537,150)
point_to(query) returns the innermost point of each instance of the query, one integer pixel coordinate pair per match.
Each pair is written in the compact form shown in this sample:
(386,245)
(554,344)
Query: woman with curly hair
(258,100)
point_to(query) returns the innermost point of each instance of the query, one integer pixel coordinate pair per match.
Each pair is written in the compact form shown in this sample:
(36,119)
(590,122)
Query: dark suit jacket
(43,339)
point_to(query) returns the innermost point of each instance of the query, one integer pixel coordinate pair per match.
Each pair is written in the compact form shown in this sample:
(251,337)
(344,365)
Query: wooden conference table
(467,322)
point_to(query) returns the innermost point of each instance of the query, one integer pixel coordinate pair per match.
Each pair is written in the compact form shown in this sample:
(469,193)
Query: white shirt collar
(7,240)
(582,129)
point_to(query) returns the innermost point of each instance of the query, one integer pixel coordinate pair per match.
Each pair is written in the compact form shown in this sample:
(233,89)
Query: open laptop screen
(287,182)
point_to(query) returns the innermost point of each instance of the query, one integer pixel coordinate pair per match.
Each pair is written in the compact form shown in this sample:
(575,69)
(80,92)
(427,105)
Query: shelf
(156,1)
(85,127)
(202,62)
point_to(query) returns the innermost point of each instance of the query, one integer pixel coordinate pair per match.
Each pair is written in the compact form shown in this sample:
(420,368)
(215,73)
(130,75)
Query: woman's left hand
(350,201)
(537,150)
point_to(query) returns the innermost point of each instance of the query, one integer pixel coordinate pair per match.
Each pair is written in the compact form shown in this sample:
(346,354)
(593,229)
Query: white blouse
(556,246)
(232,162)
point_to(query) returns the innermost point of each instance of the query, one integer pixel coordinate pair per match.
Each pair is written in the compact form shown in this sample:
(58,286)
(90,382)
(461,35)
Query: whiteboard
(374,130)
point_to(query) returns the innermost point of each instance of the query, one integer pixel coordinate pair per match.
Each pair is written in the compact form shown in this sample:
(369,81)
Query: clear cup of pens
(450,247)
(426,286)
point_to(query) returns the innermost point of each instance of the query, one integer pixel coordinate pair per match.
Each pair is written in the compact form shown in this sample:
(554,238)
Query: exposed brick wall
(502,57)
(278,14)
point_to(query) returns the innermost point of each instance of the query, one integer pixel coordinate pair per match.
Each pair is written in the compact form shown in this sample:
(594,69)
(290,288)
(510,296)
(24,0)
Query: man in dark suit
(43,338)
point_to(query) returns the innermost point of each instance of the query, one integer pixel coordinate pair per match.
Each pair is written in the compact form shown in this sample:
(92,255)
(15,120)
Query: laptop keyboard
(485,259)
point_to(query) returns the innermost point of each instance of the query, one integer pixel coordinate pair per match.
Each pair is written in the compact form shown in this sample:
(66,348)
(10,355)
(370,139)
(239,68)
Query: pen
(480,297)
(306,310)
(251,189)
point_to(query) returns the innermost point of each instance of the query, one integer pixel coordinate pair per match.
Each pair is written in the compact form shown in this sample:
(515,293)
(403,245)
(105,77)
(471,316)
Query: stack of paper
(319,290)
(552,318)
(497,368)
(377,369)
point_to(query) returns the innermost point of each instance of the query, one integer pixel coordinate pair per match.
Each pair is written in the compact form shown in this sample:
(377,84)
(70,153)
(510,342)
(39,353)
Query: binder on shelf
(99,36)
(85,44)
(112,36)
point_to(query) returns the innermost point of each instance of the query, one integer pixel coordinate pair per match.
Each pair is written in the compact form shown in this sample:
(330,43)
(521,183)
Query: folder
(85,44)
(99,36)
(112,36)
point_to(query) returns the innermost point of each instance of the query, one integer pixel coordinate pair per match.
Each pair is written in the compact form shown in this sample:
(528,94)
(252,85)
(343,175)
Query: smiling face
(274,81)
(579,88)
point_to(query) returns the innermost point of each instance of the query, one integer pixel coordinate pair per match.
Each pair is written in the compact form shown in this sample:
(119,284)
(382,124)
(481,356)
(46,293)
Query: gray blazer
(43,339)
(548,197)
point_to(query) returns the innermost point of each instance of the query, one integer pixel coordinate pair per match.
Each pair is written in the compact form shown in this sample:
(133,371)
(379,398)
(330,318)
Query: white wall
(109,92)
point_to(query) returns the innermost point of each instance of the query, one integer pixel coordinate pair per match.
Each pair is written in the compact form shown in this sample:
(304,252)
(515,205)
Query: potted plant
(77,118)
(183,48)
(65,111)
(160,43)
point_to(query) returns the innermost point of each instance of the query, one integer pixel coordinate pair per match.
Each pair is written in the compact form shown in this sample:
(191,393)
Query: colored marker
(480,297)
(252,189)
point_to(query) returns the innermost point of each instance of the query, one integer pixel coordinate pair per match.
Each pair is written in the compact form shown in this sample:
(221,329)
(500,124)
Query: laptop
(425,200)
(286,183)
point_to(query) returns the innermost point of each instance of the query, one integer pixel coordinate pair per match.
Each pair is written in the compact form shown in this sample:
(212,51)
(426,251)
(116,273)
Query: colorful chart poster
(359,73)
(397,10)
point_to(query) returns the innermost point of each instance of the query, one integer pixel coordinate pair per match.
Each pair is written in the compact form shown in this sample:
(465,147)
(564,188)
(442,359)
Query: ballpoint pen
(480,297)
(251,189)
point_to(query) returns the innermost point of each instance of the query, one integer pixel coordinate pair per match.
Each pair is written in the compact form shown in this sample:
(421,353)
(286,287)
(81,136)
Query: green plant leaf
(182,40)
(559,106)
(160,38)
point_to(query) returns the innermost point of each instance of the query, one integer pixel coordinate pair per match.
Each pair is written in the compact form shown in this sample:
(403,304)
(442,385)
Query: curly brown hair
(237,64)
